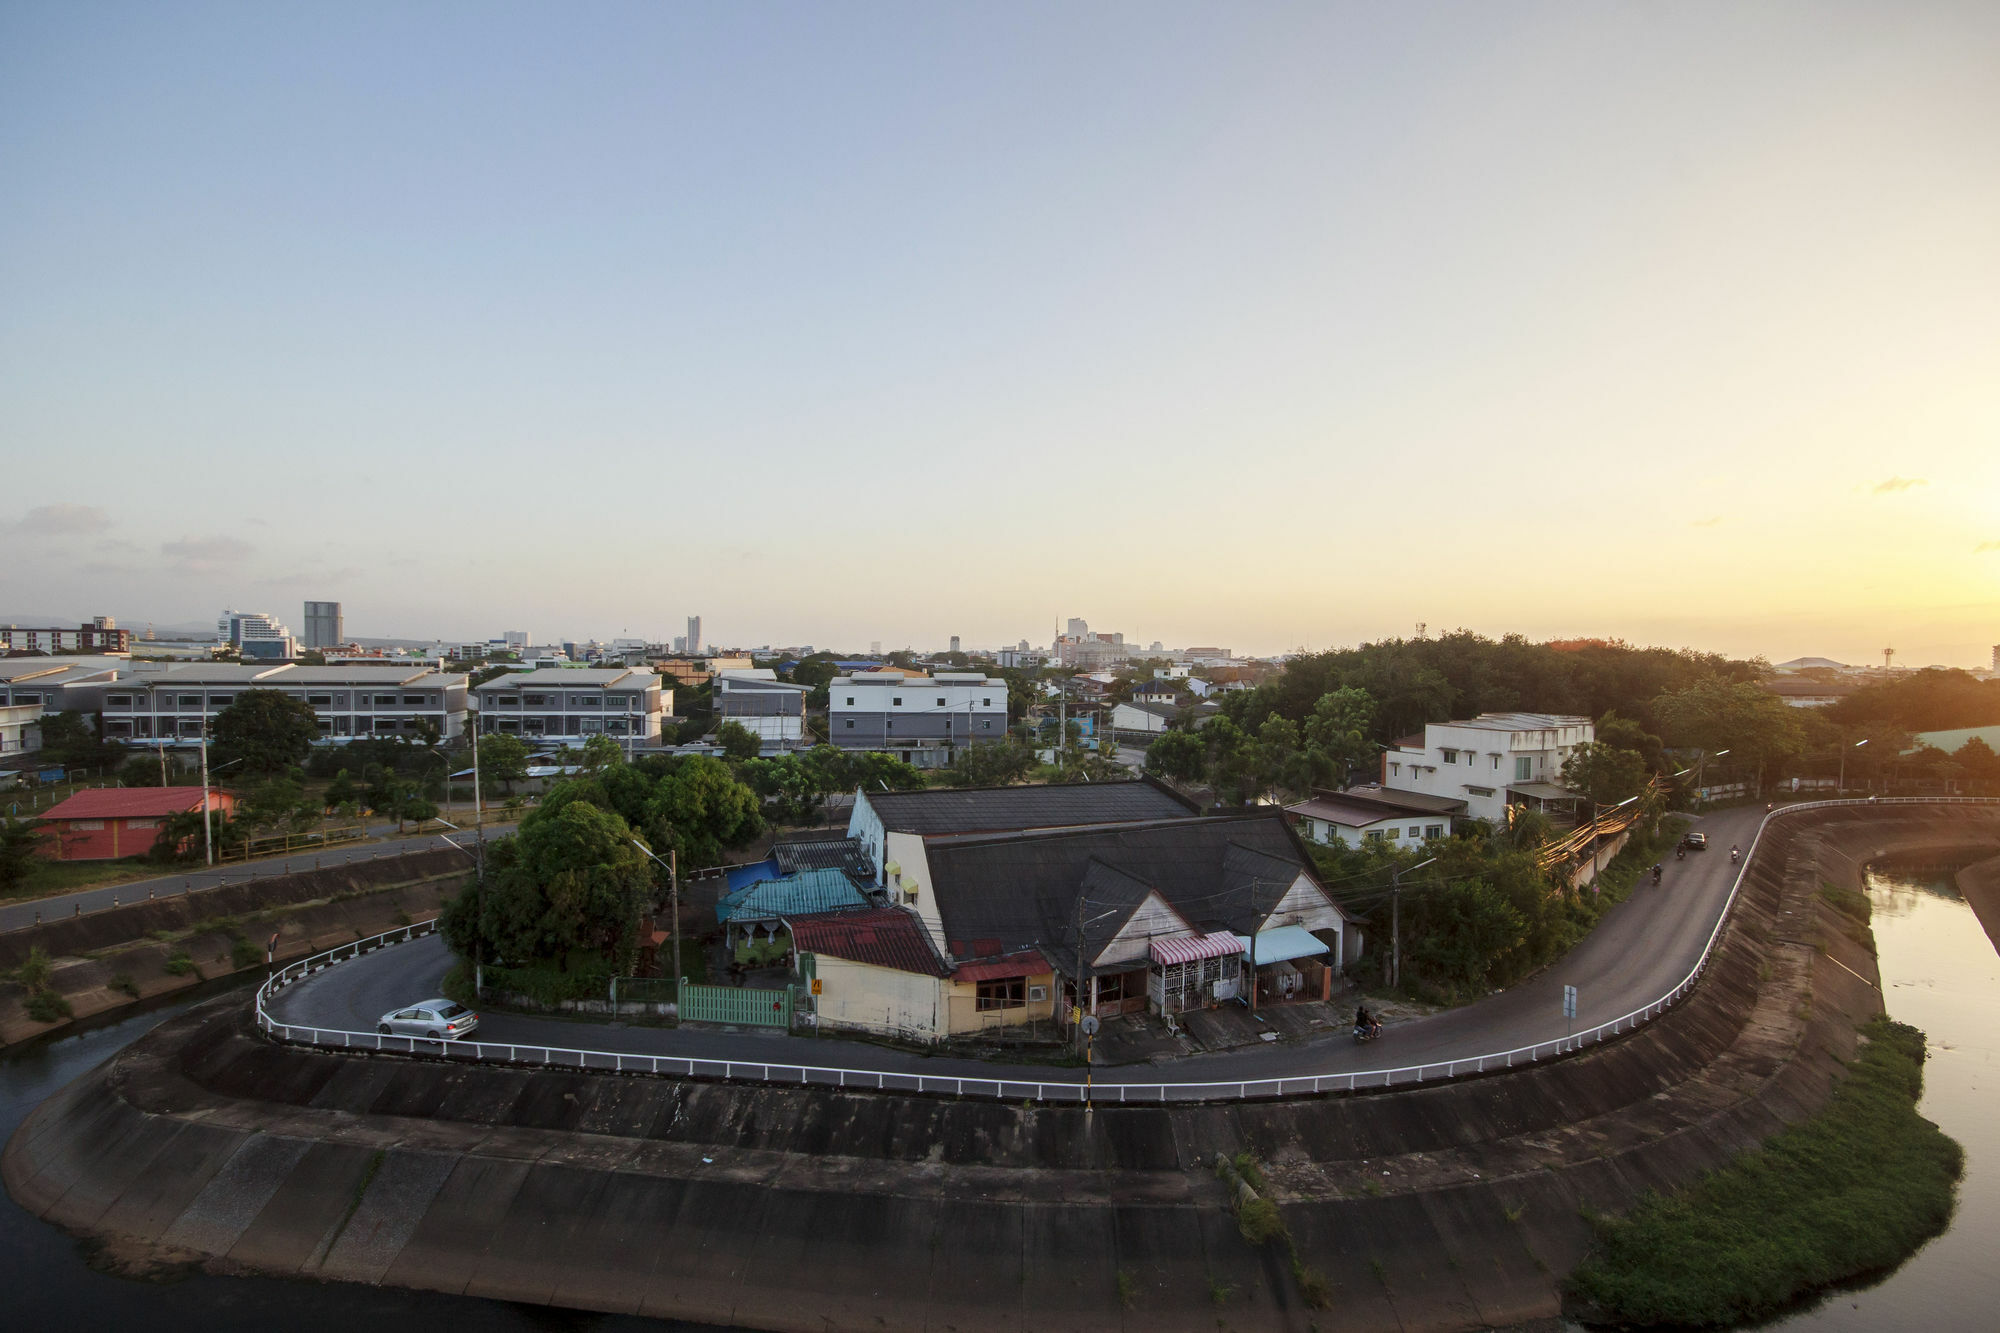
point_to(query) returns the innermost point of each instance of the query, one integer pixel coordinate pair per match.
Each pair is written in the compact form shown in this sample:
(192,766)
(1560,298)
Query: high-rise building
(325,628)
(256,634)
(875,648)
(516,638)
(694,634)
(680,643)
(1077,628)
(1996,657)
(954,643)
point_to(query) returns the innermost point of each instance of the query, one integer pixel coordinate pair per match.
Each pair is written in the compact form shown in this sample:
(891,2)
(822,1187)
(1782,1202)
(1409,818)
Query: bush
(1852,1190)
(589,980)
(178,963)
(125,985)
(244,954)
(1259,1221)
(45,1006)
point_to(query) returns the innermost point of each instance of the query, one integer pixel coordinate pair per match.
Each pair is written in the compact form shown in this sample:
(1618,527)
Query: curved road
(25,913)
(1639,951)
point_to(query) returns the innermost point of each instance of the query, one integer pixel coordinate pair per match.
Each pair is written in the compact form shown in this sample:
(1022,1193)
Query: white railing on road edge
(1044,1089)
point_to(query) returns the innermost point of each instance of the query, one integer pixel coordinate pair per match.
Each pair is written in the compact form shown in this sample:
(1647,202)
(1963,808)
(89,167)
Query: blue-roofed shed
(802,894)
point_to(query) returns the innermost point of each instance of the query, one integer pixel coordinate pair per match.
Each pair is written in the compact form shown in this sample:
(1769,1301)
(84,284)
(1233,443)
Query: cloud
(1984,547)
(63,520)
(1894,484)
(1707,522)
(204,555)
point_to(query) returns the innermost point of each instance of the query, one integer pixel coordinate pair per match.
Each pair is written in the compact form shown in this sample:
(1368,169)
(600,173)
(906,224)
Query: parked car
(443,1019)
(1694,842)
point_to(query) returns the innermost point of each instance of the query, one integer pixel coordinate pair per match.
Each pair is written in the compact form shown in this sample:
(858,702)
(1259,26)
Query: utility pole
(674,890)
(478,870)
(163,762)
(207,837)
(1395,929)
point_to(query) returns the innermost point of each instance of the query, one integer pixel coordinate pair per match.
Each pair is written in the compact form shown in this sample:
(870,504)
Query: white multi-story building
(1489,761)
(918,717)
(755,699)
(569,705)
(351,702)
(256,634)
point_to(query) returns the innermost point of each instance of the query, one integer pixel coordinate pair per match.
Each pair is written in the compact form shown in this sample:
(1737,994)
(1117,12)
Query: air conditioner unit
(1037,994)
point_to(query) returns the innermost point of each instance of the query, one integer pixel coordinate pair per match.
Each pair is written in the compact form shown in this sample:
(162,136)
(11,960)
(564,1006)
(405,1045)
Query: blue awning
(1281,944)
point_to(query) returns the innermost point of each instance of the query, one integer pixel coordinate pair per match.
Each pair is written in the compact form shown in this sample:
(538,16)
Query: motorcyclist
(1680,853)
(1365,1022)
(1733,854)
(1657,872)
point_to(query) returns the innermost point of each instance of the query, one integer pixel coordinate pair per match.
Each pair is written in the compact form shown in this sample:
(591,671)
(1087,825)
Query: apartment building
(351,702)
(569,705)
(101,635)
(770,709)
(256,634)
(1489,761)
(59,684)
(326,627)
(917,717)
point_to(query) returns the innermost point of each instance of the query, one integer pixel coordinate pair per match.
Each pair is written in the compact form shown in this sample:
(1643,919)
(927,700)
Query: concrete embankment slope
(1979,885)
(119,956)
(1443,1207)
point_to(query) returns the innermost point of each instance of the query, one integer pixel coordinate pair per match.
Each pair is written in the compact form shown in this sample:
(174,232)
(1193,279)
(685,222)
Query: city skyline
(1273,327)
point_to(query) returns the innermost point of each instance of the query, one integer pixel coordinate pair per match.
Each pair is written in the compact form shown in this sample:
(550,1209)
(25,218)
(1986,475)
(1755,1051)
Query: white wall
(1483,758)
(878,999)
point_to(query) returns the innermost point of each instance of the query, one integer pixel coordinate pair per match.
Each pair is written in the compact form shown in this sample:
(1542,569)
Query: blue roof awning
(1282,944)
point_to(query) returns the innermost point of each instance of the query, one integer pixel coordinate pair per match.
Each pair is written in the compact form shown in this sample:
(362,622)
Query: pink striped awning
(1189,950)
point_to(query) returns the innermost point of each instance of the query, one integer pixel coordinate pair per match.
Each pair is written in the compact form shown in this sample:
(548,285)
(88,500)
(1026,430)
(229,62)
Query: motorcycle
(1680,853)
(1656,876)
(1371,1032)
(1733,855)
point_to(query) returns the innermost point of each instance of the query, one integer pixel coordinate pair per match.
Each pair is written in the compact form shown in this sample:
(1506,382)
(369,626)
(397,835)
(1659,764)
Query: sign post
(1569,1011)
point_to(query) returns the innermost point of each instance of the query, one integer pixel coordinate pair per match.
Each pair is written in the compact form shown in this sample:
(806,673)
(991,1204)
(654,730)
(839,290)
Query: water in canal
(1939,973)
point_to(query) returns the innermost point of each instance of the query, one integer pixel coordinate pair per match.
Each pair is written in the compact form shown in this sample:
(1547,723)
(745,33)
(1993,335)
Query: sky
(1263,326)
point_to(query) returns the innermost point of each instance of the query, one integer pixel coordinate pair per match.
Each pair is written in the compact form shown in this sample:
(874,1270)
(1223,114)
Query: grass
(48,879)
(1128,1288)
(1850,1191)
(178,963)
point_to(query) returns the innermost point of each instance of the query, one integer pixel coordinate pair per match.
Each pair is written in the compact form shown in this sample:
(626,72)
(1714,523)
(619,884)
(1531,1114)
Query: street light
(1842,785)
(1701,769)
(673,889)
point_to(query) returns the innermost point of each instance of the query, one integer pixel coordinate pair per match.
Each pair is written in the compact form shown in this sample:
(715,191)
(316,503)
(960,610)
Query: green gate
(728,1004)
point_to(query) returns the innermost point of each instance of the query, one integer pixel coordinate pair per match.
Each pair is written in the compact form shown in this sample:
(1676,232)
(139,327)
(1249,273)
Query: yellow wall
(961,1005)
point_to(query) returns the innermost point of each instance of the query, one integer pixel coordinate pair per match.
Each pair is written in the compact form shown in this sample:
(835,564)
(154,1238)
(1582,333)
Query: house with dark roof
(884,821)
(1374,814)
(106,823)
(1162,915)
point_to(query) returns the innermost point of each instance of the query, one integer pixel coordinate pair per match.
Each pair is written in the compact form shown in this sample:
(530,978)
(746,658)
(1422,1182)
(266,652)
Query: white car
(443,1019)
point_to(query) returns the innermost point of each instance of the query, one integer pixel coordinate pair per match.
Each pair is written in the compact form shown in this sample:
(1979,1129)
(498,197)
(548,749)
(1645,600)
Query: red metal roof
(1029,964)
(880,937)
(129,803)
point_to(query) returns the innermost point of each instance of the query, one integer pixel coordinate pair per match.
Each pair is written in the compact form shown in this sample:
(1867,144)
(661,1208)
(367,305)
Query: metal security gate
(728,1004)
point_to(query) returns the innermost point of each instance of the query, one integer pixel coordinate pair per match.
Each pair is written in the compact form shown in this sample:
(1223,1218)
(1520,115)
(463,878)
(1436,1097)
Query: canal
(50,1284)
(1940,971)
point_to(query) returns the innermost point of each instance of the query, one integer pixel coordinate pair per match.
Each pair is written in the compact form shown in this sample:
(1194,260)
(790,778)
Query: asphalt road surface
(1639,951)
(25,913)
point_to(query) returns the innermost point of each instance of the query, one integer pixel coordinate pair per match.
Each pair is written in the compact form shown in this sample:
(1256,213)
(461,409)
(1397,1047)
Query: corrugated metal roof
(803,894)
(1027,963)
(128,803)
(880,937)
(993,809)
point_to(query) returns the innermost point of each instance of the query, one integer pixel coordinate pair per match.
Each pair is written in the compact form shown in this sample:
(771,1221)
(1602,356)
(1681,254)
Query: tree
(1627,734)
(601,752)
(70,739)
(1282,768)
(738,742)
(279,804)
(1336,734)
(1604,774)
(699,809)
(19,839)
(1180,755)
(991,764)
(791,788)
(342,793)
(267,731)
(1717,714)
(503,759)
(1980,765)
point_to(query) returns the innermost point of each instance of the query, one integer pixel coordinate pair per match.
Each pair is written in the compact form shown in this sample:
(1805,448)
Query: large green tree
(992,764)
(1756,727)
(503,761)
(18,840)
(70,739)
(700,809)
(1604,774)
(1180,755)
(267,731)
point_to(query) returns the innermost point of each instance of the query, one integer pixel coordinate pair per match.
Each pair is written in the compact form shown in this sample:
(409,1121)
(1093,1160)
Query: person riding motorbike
(1680,853)
(1366,1025)
(1733,854)
(1657,872)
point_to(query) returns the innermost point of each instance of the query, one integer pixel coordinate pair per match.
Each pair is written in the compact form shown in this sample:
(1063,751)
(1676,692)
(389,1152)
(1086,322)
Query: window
(897,701)
(320,700)
(850,724)
(1451,756)
(535,700)
(221,700)
(1434,830)
(1413,830)
(385,701)
(850,701)
(85,825)
(186,700)
(938,702)
(1395,769)
(132,824)
(118,700)
(1373,835)
(1479,791)
(585,701)
(1009,994)
(985,703)
(1496,763)
(987,723)
(415,700)
(1523,770)
(1393,834)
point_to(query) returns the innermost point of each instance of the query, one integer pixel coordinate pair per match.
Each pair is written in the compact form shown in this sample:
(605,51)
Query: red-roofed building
(106,823)
(880,971)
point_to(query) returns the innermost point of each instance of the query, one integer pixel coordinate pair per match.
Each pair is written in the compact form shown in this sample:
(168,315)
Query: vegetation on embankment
(1849,1191)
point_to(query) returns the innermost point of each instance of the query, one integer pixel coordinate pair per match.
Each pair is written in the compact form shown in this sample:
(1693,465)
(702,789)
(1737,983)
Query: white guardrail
(1070,1088)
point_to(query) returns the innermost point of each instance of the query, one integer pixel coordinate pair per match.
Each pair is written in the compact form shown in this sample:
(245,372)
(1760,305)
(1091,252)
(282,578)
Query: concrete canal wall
(112,958)
(1443,1207)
